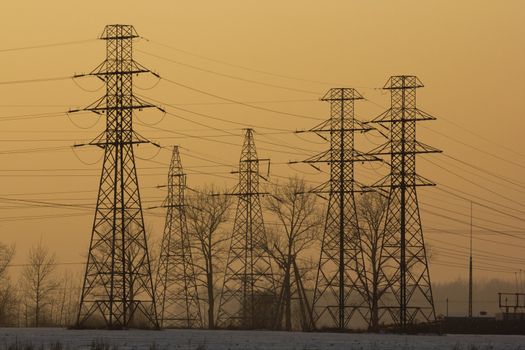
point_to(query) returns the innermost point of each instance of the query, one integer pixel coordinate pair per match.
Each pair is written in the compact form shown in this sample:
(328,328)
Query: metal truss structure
(117,290)
(248,292)
(340,288)
(404,265)
(176,286)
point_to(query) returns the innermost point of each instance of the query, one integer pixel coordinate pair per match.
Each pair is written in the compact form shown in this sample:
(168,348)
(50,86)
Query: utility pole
(340,288)
(470,268)
(176,286)
(248,295)
(118,287)
(404,265)
(520,288)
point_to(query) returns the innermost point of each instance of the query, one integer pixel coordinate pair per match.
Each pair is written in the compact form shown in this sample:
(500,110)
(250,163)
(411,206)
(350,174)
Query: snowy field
(43,338)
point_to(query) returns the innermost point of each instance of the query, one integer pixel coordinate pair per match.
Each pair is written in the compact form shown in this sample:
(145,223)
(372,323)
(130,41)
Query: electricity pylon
(404,265)
(340,288)
(177,294)
(248,292)
(117,291)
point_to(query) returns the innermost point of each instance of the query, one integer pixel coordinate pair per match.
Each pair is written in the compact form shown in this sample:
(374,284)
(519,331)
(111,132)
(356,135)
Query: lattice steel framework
(404,265)
(176,286)
(340,289)
(248,292)
(118,291)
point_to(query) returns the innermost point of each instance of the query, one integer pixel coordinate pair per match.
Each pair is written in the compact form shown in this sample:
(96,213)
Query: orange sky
(469,55)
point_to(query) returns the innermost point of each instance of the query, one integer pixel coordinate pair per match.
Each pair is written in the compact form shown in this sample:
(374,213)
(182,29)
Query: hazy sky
(469,54)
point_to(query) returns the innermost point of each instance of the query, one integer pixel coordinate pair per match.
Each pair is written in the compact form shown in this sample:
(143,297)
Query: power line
(475,217)
(220,141)
(239,102)
(60,192)
(39,80)
(251,102)
(47,204)
(492,210)
(458,231)
(479,252)
(463,142)
(76,169)
(208,116)
(176,104)
(31,116)
(485,152)
(503,233)
(54,264)
(511,181)
(225,131)
(41,46)
(244,67)
(469,130)
(476,184)
(462,257)
(490,180)
(482,199)
(506,244)
(227,75)
(461,266)
(484,206)
(40,140)
(41,217)
(33,150)
(32,105)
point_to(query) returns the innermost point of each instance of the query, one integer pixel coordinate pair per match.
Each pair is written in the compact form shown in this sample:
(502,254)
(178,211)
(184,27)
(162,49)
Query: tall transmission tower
(248,292)
(177,294)
(404,265)
(340,283)
(118,291)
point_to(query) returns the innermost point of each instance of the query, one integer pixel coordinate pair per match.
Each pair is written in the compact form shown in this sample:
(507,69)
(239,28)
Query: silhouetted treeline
(40,295)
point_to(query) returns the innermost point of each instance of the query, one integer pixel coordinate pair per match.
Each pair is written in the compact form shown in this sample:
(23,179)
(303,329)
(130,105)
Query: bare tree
(72,299)
(371,210)
(6,255)
(298,227)
(37,280)
(206,212)
(7,292)
(67,295)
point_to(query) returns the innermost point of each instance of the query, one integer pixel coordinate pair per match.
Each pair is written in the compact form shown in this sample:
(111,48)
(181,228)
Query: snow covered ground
(251,340)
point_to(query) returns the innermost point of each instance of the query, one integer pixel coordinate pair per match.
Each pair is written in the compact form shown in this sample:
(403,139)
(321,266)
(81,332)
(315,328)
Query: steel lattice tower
(177,294)
(404,266)
(340,284)
(248,292)
(118,291)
